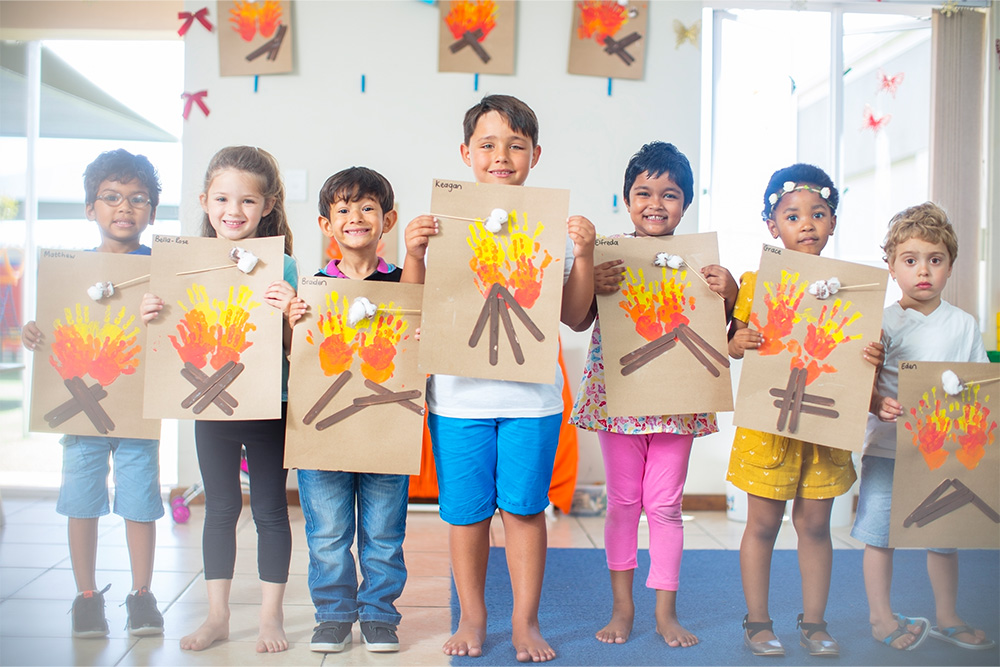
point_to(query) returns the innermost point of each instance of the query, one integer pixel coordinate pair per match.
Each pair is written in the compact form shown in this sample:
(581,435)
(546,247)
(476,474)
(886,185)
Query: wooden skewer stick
(133,281)
(845,287)
(211,268)
(983,381)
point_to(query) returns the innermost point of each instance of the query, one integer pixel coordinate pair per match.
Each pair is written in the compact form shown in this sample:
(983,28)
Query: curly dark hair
(658,157)
(121,166)
(800,174)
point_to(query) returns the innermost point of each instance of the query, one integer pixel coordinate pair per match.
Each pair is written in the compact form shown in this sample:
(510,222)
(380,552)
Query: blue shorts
(871,524)
(483,464)
(84,490)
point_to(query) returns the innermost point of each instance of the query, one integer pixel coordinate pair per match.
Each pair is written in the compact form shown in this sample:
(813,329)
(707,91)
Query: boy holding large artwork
(920,249)
(122,191)
(356,209)
(494,453)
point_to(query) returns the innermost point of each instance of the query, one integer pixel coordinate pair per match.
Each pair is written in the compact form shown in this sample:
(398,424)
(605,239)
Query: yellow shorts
(772,466)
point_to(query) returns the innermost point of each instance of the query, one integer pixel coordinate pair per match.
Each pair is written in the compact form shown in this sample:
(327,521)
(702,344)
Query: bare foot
(214,629)
(272,636)
(530,646)
(619,627)
(886,627)
(673,633)
(468,640)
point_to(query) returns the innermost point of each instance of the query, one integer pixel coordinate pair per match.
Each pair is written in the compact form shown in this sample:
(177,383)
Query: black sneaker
(143,616)
(379,637)
(88,614)
(331,637)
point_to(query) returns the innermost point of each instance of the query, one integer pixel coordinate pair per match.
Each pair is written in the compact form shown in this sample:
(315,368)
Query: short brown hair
(351,185)
(927,222)
(518,115)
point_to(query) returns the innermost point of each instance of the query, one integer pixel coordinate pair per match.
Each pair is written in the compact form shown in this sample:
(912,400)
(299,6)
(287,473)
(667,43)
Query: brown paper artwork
(477,36)
(946,485)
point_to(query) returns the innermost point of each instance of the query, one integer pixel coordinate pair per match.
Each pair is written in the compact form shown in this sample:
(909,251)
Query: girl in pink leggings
(645,458)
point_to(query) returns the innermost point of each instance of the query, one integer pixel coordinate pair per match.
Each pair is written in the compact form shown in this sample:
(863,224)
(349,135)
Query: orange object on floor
(424,486)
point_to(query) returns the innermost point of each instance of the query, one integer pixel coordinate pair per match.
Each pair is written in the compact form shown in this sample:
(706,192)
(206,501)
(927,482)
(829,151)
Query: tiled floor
(36,588)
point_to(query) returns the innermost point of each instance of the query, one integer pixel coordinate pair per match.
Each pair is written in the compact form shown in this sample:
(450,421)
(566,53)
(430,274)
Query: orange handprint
(243,17)
(822,336)
(978,433)
(269,17)
(196,338)
(231,336)
(782,304)
(930,429)
(337,338)
(377,346)
(657,307)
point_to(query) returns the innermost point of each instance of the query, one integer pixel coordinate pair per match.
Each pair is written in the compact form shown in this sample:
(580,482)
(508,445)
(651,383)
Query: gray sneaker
(331,637)
(88,614)
(379,637)
(143,616)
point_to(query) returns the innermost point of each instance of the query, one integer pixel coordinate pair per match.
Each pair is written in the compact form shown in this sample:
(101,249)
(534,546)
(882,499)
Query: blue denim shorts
(871,524)
(483,464)
(84,490)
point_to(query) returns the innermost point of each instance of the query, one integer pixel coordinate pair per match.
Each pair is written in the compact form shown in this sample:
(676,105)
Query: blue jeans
(328,502)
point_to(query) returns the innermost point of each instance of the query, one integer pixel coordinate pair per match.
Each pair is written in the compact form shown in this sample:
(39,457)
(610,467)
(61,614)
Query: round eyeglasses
(114,198)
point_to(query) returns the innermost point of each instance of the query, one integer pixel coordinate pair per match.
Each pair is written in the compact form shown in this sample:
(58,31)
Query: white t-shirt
(476,398)
(947,334)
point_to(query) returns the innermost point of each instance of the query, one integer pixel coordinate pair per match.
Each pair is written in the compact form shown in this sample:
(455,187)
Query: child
(122,192)
(800,205)
(920,249)
(645,458)
(244,198)
(356,209)
(489,456)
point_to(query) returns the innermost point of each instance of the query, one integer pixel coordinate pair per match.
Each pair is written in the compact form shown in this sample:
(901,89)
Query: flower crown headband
(792,186)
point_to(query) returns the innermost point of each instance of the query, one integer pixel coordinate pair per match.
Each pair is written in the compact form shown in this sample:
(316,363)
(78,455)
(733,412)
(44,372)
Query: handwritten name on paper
(170,239)
(447,185)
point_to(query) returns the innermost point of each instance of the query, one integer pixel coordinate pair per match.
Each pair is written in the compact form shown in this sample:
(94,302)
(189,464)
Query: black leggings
(219,444)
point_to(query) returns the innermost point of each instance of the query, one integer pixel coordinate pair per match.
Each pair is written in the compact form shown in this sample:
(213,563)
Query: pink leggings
(646,472)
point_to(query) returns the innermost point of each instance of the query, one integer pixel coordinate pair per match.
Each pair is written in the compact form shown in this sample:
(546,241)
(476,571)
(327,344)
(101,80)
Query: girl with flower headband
(800,205)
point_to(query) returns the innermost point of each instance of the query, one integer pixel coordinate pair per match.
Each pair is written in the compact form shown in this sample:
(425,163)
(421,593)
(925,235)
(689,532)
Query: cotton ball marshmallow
(823,289)
(361,309)
(245,260)
(496,220)
(952,385)
(99,291)
(666,260)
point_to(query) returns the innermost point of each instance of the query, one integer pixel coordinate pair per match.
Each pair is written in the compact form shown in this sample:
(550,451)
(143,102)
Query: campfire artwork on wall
(477,36)
(254,37)
(608,38)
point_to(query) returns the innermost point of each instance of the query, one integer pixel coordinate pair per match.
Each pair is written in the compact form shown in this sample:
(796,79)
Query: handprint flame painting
(946,490)
(356,384)
(213,333)
(815,346)
(608,38)
(254,37)
(88,376)
(664,326)
(493,298)
(476,36)
(215,350)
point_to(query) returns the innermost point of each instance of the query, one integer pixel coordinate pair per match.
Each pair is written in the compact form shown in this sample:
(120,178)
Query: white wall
(407,125)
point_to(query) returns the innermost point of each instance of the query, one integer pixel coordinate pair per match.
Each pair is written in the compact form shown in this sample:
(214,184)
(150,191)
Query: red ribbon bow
(194,98)
(189,18)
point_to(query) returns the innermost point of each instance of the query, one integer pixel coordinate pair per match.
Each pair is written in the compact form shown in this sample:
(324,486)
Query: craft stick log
(978,502)
(200,377)
(705,345)
(211,268)
(217,388)
(942,501)
(338,416)
(521,315)
(653,353)
(463,42)
(796,409)
(394,397)
(665,339)
(812,410)
(958,499)
(409,405)
(508,326)
(88,399)
(931,497)
(327,396)
(786,399)
(477,330)
(806,398)
(494,331)
(214,378)
(132,281)
(219,401)
(72,407)
(693,349)
(95,413)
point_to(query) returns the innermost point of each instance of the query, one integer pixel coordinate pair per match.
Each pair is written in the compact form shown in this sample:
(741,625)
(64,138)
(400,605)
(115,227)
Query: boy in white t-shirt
(920,249)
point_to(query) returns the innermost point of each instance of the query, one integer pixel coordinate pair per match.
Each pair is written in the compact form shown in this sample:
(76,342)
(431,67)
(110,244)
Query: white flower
(825,193)
(788,186)
(773,199)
